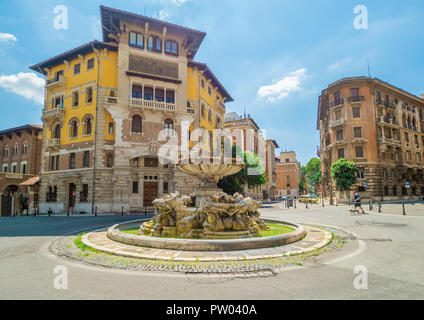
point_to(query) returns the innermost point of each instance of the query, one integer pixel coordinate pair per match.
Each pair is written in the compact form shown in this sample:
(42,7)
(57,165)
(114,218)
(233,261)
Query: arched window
(169,127)
(56,131)
(87,126)
(73,129)
(136,124)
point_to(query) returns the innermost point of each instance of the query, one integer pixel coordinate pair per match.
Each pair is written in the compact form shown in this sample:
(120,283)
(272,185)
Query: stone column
(160,186)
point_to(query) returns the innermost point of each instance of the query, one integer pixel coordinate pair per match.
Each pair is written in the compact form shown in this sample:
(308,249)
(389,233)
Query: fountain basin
(114,233)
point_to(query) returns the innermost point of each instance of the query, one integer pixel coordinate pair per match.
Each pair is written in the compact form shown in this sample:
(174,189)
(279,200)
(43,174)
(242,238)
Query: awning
(30,182)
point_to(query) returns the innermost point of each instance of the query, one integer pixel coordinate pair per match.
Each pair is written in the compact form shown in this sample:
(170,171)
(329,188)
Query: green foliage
(312,175)
(237,182)
(344,173)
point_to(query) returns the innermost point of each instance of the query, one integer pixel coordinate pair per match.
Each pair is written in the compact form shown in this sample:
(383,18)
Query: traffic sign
(407,184)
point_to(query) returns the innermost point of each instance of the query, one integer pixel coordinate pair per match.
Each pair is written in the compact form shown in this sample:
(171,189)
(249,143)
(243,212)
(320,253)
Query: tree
(302,181)
(313,174)
(237,182)
(344,173)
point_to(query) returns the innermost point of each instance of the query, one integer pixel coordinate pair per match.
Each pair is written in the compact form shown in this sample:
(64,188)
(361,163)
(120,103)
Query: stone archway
(7,200)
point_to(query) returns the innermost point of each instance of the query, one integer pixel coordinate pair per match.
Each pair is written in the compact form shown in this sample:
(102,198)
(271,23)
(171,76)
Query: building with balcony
(20,156)
(107,102)
(380,128)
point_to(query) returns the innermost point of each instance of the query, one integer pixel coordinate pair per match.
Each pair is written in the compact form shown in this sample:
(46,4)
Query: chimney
(422,95)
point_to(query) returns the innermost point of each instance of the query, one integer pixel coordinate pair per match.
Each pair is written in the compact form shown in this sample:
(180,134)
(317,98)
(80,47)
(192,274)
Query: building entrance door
(150,193)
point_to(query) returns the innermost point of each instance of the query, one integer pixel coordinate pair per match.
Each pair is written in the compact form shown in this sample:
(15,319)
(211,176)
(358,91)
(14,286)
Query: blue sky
(274,57)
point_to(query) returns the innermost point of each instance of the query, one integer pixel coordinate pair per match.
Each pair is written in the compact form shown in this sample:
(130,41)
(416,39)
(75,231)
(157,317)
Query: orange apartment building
(379,127)
(288,174)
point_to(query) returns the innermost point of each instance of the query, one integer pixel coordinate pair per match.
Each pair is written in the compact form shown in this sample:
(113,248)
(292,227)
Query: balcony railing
(141,103)
(55,82)
(52,114)
(354,99)
(337,123)
(336,103)
(53,143)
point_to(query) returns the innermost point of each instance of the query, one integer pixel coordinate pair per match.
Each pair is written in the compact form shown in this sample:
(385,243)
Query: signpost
(407,186)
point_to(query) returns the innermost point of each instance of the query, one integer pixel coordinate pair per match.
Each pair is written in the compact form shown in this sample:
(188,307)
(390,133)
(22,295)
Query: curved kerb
(114,233)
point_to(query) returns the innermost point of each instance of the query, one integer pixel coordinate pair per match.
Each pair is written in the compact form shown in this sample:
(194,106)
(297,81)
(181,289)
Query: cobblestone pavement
(267,261)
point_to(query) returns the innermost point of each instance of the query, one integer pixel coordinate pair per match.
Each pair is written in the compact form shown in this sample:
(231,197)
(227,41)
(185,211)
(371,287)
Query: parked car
(309,198)
(282,198)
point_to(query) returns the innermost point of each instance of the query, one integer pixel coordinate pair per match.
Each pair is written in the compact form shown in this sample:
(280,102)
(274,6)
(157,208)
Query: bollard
(95,212)
(294,201)
(307,205)
(68,212)
(379,207)
(122,211)
(403,207)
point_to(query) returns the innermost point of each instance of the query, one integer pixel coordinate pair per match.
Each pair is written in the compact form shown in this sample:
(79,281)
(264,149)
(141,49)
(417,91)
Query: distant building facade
(379,127)
(289,171)
(20,151)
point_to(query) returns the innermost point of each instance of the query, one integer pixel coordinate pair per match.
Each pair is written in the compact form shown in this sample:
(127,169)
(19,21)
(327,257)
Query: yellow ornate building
(106,104)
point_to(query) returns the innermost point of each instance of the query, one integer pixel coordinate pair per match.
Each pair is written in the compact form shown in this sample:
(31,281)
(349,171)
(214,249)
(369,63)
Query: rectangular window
(84,193)
(77,68)
(75,99)
(54,163)
(359,151)
(86,162)
(72,161)
(337,99)
(356,112)
(25,151)
(203,83)
(14,168)
(24,168)
(165,187)
(340,135)
(209,90)
(148,93)
(171,47)
(137,92)
(406,137)
(135,187)
(110,130)
(89,95)
(90,64)
(340,153)
(357,132)
(58,75)
(170,96)
(354,92)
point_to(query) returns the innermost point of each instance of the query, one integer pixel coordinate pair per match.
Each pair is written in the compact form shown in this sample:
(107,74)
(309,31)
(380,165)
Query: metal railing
(152,104)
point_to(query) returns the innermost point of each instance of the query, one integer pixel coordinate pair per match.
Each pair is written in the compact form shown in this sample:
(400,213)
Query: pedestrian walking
(357,202)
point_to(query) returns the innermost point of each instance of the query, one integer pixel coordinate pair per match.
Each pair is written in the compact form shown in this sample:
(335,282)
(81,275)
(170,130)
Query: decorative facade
(379,127)
(112,104)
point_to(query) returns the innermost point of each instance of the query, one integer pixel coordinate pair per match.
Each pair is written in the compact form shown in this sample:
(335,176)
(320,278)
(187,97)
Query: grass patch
(80,245)
(275,229)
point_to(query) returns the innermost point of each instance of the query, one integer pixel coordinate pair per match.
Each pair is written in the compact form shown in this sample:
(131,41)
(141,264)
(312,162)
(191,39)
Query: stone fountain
(207,214)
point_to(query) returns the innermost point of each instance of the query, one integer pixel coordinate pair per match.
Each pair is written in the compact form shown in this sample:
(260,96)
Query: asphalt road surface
(390,248)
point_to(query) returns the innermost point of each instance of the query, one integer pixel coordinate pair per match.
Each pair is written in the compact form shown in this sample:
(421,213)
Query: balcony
(356,99)
(153,105)
(55,82)
(336,103)
(386,104)
(53,143)
(337,123)
(53,114)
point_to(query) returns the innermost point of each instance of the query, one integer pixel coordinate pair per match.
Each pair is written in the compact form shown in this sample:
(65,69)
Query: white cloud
(178,2)
(28,85)
(162,15)
(283,87)
(7,37)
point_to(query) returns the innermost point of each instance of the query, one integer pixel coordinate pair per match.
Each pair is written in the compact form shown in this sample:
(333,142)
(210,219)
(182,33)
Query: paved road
(391,248)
